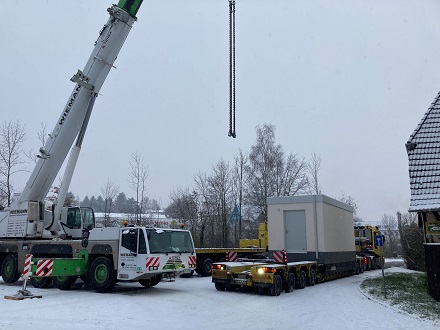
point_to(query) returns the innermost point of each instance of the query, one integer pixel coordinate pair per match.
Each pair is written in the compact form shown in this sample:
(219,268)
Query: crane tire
(64,282)
(41,282)
(102,277)
(9,269)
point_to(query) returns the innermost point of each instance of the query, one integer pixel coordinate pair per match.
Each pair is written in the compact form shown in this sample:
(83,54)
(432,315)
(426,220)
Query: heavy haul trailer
(315,235)
(314,228)
(264,277)
(249,248)
(206,257)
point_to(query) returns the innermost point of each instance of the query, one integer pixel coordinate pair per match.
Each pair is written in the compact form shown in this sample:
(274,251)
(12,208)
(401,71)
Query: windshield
(169,241)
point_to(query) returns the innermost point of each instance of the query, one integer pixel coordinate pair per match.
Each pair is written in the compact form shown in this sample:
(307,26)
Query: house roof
(423,148)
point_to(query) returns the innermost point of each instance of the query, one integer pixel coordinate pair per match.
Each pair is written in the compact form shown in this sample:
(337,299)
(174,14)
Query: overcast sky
(346,79)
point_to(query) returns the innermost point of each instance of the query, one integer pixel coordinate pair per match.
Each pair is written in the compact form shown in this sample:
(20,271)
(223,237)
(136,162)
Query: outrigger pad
(22,294)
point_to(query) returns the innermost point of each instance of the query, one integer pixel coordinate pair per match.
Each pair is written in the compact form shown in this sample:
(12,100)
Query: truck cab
(146,253)
(77,221)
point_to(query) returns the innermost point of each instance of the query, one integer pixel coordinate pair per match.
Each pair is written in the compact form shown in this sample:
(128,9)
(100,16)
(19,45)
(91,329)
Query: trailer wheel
(261,291)
(301,283)
(9,269)
(220,286)
(41,282)
(290,283)
(64,282)
(312,279)
(206,268)
(101,275)
(357,269)
(374,264)
(275,289)
(230,287)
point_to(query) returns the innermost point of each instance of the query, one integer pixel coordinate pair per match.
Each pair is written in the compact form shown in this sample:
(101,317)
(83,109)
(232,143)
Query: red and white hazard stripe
(231,256)
(192,261)
(152,262)
(44,268)
(279,257)
(27,267)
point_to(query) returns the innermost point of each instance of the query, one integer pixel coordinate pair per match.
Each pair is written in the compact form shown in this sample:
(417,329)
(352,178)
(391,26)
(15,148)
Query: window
(129,239)
(142,249)
(74,218)
(169,241)
(88,217)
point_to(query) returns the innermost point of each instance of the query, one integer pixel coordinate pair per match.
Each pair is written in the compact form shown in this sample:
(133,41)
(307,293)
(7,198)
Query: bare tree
(42,136)
(313,168)
(270,173)
(390,230)
(184,208)
(138,178)
(220,186)
(350,200)
(238,179)
(109,192)
(12,135)
(206,211)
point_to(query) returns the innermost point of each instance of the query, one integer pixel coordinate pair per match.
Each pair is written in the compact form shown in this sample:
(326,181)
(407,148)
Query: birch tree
(12,135)
(138,178)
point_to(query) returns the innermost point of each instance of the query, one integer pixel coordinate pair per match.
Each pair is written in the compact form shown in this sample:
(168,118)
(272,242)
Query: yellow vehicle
(366,246)
(249,248)
(267,277)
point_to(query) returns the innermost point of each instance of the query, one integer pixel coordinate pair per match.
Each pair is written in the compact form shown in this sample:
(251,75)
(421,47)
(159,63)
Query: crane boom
(88,83)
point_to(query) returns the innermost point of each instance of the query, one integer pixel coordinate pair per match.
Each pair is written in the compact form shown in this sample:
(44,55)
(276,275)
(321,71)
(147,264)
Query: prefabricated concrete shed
(312,227)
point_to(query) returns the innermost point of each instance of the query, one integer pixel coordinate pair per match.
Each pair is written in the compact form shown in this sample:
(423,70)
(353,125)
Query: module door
(295,222)
(130,260)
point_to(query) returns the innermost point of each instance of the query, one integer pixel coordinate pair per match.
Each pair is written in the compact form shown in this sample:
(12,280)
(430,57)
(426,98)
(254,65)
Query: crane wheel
(64,282)
(9,269)
(102,277)
(41,282)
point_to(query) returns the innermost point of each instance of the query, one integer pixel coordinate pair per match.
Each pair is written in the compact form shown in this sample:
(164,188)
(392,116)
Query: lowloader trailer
(315,236)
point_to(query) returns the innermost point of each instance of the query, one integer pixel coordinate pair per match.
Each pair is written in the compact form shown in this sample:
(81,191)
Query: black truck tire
(301,283)
(290,283)
(312,279)
(102,277)
(64,282)
(9,269)
(220,286)
(155,280)
(41,282)
(206,268)
(275,289)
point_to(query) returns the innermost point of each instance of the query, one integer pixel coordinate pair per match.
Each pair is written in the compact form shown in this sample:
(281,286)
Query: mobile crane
(66,237)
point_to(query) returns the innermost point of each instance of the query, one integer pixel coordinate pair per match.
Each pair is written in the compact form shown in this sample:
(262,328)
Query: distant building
(154,218)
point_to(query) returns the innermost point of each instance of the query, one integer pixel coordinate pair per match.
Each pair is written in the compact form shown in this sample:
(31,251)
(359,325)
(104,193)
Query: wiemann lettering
(70,104)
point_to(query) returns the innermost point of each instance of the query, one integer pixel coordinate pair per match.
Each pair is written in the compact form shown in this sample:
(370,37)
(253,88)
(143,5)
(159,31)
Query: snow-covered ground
(194,303)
